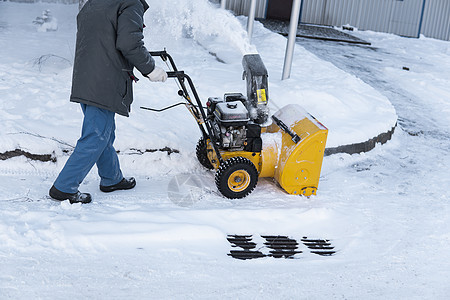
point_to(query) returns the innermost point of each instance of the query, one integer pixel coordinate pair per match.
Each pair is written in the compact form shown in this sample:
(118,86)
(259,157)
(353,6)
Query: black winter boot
(124,184)
(73,198)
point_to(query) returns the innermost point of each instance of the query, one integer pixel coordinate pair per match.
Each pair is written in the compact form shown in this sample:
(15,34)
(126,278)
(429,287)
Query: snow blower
(242,143)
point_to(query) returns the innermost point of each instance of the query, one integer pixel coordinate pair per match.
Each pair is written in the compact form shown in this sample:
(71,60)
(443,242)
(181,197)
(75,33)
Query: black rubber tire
(202,155)
(236,165)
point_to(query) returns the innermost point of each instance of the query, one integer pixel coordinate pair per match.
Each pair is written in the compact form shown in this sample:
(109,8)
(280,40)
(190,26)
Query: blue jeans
(95,146)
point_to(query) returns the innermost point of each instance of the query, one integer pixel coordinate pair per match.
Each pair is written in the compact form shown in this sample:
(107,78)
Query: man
(109,45)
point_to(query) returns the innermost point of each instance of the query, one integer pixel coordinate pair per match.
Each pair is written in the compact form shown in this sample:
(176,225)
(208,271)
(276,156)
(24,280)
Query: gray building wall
(403,17)
(393,16)
(436,21)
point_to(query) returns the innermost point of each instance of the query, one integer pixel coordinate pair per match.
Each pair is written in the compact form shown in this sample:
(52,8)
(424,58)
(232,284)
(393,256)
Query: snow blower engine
(242,143)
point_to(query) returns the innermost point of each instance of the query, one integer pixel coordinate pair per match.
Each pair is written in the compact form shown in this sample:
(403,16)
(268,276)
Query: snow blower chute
(242,144)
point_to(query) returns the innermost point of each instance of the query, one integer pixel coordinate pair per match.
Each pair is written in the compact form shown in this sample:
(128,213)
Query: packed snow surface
(386,212)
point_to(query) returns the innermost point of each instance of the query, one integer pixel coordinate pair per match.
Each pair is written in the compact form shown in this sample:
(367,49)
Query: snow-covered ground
(385,211)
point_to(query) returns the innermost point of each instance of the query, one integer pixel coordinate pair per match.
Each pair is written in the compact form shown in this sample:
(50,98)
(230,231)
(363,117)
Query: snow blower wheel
(236,177)
(202,155)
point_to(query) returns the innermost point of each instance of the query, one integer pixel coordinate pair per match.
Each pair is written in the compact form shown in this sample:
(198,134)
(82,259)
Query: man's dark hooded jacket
(109,45)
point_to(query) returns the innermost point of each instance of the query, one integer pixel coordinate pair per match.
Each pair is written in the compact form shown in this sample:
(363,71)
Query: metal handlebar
(196,110)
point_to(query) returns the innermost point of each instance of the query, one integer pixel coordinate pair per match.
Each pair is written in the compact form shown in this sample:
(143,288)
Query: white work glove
(157,74)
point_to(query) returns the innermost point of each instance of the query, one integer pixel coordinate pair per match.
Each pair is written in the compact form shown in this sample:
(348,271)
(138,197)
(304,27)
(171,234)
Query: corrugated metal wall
(436,20)
(394,16)
(242,7)
(402,17)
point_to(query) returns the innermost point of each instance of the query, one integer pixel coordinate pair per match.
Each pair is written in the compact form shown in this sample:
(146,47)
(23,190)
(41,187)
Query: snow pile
(217,31)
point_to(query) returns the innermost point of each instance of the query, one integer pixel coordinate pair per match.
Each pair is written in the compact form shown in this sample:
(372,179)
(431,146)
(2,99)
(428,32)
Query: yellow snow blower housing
(295,161)
(242,144)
